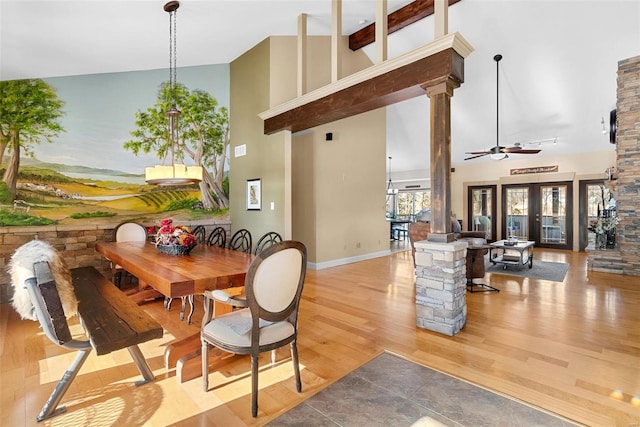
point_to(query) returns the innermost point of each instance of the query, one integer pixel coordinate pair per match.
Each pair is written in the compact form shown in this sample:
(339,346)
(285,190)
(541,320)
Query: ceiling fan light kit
(498,152)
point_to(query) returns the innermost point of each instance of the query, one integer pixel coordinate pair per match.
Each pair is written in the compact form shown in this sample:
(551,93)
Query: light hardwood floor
(572,348)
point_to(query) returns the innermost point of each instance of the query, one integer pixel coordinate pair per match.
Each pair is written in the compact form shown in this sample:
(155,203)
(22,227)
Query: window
(412,202)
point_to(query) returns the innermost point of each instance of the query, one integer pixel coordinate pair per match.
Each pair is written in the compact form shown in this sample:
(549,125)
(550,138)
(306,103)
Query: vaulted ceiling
(557,76)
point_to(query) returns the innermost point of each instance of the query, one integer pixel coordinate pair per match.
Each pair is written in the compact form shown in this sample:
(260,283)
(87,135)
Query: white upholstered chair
(273,287)
(126,232)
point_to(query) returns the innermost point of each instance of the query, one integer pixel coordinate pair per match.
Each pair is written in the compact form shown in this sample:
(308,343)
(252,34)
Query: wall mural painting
(74,149)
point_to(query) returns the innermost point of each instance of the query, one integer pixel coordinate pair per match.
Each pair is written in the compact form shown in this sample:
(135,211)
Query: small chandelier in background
(390,189)
(176,174)
(604,130)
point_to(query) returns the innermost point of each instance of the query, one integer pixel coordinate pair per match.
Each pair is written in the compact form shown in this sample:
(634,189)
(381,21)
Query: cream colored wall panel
(337,187)
(350,184)
(250,92)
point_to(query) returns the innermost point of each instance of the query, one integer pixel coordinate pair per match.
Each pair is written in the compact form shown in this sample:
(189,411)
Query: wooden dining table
(204,268)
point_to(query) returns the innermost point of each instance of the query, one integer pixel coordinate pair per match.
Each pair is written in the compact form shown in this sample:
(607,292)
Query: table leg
(487,288)
(185,354)
(189,366)
(143,293)
(180,348)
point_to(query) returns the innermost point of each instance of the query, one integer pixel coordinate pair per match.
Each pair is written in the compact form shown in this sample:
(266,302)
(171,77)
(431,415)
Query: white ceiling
(557,77)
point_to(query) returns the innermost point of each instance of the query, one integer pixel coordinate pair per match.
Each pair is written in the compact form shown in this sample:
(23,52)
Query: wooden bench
(110,319)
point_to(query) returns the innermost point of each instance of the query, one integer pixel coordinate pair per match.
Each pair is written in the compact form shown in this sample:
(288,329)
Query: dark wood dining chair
(273,286)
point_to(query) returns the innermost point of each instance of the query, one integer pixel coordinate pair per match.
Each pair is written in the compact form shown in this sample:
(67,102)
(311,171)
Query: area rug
(553,271)
(392,391)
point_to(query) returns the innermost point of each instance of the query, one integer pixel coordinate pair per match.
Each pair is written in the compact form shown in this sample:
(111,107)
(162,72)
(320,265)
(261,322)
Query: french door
(540,212)
(592,196)
(482,210)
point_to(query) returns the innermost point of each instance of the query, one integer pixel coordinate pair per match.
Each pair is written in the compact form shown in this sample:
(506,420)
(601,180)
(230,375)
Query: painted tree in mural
(29,113)
(203,137)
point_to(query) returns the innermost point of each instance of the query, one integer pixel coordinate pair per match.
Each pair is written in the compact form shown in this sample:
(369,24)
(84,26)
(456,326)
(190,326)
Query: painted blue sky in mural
(99,114)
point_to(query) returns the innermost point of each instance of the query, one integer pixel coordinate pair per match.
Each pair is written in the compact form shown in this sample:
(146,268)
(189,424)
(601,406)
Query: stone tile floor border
(392,391)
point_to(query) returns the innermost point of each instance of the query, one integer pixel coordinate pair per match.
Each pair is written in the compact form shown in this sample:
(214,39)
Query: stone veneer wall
(625,258)
(77,244)
(441,281)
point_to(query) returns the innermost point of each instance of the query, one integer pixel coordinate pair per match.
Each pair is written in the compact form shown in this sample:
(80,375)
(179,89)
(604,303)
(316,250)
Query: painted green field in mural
(49,193)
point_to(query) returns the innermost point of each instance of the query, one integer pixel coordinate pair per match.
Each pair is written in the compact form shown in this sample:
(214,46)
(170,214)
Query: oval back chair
(241,241)
(273,287)
(126,232)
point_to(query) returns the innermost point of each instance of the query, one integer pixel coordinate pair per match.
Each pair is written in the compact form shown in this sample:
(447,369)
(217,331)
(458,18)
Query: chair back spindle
(241,241)
(269,239)
(218,237)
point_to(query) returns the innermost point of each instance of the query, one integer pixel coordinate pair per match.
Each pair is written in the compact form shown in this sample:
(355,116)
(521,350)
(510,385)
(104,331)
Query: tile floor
(391,391)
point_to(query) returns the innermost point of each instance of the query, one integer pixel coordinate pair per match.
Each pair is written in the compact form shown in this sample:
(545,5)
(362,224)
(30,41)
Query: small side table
(524,257)
(477,269)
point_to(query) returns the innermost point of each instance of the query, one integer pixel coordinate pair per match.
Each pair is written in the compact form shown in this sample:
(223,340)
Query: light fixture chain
(175,174)
(173,55)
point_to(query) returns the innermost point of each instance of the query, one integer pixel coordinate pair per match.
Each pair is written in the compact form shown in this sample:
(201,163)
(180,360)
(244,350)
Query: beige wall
(337,187)
(249,94)
(570,168)
(345,210)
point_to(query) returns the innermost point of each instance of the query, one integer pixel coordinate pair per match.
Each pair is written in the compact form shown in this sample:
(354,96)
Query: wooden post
(440,93)
(381,30)
(441,18)
(302,54)
(336,40)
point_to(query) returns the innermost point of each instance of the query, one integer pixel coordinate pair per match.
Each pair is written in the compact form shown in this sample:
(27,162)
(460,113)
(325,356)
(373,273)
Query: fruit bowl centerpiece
(174,239)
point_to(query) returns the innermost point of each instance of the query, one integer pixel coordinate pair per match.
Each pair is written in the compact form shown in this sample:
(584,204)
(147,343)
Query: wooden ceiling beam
(397,20)
(399,84)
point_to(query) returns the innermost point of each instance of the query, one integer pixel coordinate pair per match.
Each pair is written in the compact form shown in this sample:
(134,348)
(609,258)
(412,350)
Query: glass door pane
(405,205)
(552,218)
(517,212)
(481,205)
(598,197)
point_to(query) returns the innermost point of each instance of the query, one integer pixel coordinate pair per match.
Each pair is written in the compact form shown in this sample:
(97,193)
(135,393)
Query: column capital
(441,237)
(444,84)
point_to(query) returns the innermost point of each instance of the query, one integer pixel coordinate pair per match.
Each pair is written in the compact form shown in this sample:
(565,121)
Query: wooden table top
(205,268)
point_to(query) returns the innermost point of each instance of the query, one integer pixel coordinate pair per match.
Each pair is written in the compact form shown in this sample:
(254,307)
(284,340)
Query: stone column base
(441,285)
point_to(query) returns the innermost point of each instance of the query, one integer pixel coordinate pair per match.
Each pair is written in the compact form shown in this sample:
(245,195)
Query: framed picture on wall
(254,194)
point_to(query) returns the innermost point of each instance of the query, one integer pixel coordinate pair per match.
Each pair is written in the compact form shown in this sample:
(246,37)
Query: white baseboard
(343,261)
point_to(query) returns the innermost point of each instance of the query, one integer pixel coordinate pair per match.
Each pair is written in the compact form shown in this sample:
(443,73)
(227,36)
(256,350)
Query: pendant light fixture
(390,189)
(175,174)
(392,194)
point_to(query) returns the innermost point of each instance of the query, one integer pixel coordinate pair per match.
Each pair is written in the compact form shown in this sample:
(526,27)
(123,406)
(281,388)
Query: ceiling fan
(498,152)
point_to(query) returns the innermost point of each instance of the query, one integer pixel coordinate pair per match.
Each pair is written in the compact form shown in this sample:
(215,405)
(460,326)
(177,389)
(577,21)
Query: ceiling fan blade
(515,149)
(478,155)
(528,152)
(478,152)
